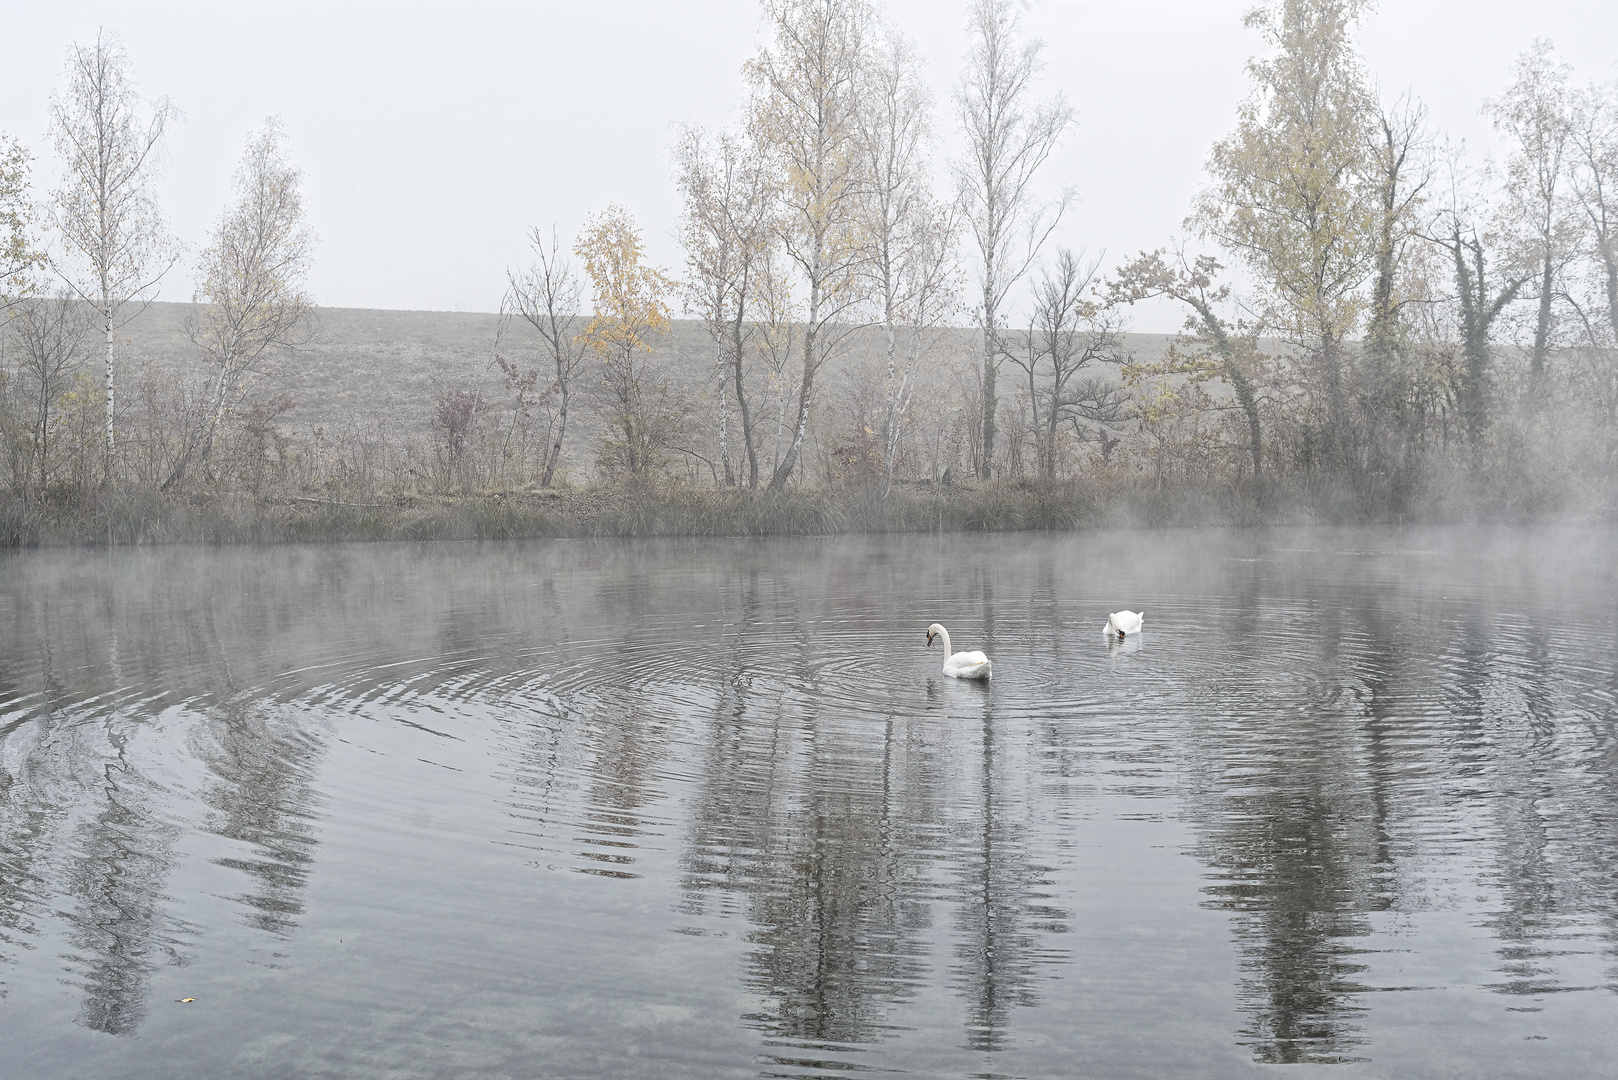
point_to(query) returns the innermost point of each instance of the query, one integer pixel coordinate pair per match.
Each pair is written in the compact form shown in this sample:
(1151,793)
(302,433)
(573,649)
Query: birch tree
(106,212)
(777,334)
(251,287)
(1008,136)
(909,238)
(549,297)
(806,111)
(1535,118)
(726,230)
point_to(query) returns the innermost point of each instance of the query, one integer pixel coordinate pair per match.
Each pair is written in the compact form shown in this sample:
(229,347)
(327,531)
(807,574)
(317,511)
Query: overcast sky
(434,136)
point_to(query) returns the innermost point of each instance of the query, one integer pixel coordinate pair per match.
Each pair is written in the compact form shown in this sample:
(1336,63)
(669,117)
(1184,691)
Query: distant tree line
(1373,324)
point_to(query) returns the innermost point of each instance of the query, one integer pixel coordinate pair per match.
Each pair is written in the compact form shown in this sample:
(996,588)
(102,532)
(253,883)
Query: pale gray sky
(433,136)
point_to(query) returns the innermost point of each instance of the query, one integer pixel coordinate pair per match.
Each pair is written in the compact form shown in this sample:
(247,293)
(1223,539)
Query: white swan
(1123,622)
(961,665)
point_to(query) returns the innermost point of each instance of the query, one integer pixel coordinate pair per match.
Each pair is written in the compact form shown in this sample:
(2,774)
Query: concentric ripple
(712,810)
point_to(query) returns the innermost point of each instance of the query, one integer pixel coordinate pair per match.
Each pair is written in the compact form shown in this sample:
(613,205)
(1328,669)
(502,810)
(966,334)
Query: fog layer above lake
(709,809)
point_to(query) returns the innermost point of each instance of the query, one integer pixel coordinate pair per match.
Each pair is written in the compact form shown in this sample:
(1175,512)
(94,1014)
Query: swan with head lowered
(1123,622)
(961,665)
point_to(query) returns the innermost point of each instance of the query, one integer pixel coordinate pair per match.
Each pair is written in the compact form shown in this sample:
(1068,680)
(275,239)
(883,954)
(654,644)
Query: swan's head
(934,631)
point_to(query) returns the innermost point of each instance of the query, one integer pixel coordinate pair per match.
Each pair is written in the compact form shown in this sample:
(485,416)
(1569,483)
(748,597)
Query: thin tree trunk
(1474,344)
(741,404)
(1609,260)
(1609,251)
(1478,313)
(1249,402)
(892,448)
(42,441)
(108,476)
(1380,334)
(991,345)
(215,420)
(553,454)
(780,430)
(806,387)
(1052,419)
(195,450)
(724,413)
(1033,408)
(1240,383)
(1331,359)
(888,417)
(784,471)
(1542,325)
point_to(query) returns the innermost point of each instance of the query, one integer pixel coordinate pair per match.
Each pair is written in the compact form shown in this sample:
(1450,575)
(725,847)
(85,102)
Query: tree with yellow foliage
(631,310)
(1291,195)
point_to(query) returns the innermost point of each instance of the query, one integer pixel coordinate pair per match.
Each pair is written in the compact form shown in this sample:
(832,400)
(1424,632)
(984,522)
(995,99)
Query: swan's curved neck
(945,635)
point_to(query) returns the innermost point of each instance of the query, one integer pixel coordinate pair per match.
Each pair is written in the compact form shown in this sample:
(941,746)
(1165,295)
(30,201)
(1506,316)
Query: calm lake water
(709,809)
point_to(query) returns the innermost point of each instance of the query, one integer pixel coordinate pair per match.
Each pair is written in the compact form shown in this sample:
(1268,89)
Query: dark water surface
(678,809)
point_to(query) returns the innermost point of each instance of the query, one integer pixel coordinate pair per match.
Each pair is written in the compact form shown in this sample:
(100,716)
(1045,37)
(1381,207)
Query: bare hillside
(364,365)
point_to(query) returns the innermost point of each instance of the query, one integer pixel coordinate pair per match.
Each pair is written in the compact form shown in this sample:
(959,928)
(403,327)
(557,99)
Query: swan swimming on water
(1123,622)
(961,665)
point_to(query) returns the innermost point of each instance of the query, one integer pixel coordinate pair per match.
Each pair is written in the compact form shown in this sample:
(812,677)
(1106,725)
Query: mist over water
(709,809)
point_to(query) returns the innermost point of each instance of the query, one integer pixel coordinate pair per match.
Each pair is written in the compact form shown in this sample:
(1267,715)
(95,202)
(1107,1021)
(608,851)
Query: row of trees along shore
(1375,326)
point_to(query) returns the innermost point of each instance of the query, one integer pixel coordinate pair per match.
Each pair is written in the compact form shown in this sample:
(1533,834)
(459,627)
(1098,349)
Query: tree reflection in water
(81,834)
(1347,749)
(749,745)
(92,811)
(812,832)
(835,823)
(262,794)
(1000,904)
(1295,827)
(122,855)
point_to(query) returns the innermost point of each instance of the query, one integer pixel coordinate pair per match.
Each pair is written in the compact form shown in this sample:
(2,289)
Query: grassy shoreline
(143,517)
